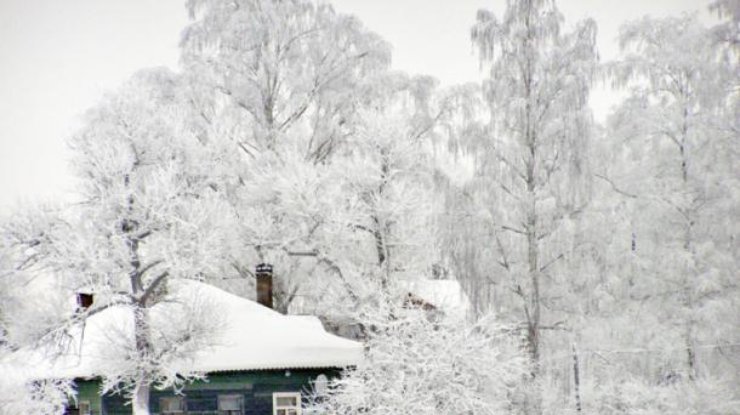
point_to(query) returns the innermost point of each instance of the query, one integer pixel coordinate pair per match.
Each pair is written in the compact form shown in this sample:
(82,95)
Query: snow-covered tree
(676,162)
(276,87)
(729,30)
(145,217)
(47,396)
(274,67)
(30,307)
(421,365)
(375,203)
(389,182)
(530,155)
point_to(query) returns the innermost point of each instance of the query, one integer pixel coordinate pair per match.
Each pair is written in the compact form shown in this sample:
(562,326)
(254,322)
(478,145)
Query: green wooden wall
(90,391)
(256,387)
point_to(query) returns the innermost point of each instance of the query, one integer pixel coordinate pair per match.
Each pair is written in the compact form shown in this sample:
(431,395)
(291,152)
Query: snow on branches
(419,364)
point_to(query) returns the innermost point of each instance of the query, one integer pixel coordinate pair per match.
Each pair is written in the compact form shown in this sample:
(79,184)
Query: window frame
(240,399)
(296,395)
(180,411)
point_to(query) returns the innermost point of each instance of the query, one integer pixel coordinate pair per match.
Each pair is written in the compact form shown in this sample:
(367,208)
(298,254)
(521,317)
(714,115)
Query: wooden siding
(256,388)
(90,391)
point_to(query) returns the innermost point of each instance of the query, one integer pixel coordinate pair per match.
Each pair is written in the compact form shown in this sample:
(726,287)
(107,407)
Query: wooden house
(262,363)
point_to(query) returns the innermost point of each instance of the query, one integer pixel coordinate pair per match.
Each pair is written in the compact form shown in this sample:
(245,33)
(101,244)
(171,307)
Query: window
(286,403)
(230,404)
(172,405)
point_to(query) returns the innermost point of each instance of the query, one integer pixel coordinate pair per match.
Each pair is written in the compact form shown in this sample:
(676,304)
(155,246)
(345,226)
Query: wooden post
(576,379)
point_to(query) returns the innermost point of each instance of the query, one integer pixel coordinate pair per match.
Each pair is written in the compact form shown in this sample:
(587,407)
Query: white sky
(58,56)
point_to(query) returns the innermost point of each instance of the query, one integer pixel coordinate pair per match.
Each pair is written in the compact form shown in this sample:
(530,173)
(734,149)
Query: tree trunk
(142,339)
(576,379)
(381,229)
(533,270)
(690,275)
(530,139)
(690,354)
(140,399)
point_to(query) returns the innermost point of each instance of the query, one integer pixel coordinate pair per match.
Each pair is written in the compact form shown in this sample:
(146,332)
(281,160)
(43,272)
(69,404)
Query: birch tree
(531,178)
(679,148)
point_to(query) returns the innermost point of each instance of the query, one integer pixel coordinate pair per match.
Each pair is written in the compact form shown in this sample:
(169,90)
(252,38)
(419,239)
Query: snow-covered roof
(446,295)
(250,337)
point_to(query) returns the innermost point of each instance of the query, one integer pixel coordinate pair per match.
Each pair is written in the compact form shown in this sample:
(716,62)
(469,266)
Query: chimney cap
(264,269)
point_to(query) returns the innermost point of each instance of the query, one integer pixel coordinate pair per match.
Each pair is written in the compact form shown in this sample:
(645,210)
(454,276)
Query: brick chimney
(84,301)
(264,284)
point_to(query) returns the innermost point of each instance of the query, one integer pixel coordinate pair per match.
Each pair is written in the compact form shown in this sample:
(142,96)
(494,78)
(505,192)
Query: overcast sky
(58,56)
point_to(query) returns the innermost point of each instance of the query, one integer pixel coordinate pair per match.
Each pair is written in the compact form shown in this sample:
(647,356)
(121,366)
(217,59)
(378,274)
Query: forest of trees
(600,260)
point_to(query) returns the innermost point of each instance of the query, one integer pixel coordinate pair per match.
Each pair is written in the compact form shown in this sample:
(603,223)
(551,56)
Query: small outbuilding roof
(446,295)
(249,336)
